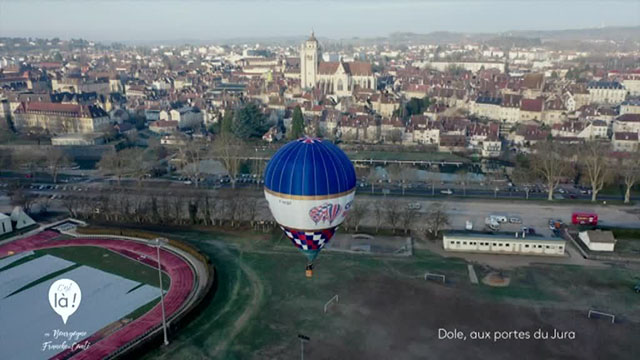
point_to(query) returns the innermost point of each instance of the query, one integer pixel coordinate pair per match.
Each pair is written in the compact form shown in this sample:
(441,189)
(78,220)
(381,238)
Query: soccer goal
(334,299)
(599,314)
(435,277)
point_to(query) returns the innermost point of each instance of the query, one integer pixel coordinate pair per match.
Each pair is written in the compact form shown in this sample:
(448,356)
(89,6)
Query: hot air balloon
(309,185)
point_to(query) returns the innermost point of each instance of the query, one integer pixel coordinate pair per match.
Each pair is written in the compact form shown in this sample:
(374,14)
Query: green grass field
(263,299)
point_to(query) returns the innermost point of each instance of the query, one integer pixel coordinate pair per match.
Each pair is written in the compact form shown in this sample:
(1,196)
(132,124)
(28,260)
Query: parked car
(515,220)
(446,191)
(414,206)
(500,218)
(492,223)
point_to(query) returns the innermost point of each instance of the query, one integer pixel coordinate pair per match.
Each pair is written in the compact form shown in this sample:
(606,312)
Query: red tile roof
(73,110)
(534,105)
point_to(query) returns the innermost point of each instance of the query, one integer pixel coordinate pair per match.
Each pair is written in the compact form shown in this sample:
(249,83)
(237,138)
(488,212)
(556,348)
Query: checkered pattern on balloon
(309,242)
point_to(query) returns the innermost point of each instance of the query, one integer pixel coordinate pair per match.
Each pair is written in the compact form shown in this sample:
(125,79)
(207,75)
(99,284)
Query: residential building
(606,92)
(630,107)
(627,123)
(625,141)
(531,109)
(59,118)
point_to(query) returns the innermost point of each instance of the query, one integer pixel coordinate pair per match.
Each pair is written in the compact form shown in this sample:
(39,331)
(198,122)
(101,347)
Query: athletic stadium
(120,312)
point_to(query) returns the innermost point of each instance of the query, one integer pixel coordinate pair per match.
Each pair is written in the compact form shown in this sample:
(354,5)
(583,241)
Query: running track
(182,282)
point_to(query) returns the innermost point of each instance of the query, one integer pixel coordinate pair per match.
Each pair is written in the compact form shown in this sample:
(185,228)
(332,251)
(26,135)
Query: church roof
(356,68)
(328,68)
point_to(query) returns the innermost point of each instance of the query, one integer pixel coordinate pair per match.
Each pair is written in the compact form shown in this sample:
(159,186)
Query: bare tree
(191,154)
(378,211)
(594,163)
(630,173)
(436,219)
(44,202)
(250,204)
(117,163)
(141,163)
(6,160)
(523,177)
(357,212)
(372,178)
(55,159)
(229,150)
(257,167)
(29,160)
(192,207)
(72,204)
(463,179)
(550,164)
(401,173)
(19,197)
(394,212)
(408,216)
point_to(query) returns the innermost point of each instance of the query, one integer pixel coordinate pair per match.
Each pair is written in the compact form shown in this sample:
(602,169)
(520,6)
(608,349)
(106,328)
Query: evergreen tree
(249,122)
(297,124)
(227,122)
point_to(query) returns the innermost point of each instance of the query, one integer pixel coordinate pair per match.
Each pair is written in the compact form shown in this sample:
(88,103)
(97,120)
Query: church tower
(309,58)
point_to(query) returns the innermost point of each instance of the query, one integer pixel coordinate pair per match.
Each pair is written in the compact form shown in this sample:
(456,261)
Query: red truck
(584,218)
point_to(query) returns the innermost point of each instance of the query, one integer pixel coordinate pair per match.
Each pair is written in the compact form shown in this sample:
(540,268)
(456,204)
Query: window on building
(340,85)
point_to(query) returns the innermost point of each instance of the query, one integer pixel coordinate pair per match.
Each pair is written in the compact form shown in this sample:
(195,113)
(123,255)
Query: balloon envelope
(309,185)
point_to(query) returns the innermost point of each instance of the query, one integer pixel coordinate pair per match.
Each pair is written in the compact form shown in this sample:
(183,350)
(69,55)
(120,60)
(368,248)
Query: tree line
(591,164)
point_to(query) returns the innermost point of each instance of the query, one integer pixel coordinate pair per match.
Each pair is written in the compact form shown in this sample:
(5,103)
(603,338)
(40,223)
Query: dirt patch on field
(385,318)
(496,279)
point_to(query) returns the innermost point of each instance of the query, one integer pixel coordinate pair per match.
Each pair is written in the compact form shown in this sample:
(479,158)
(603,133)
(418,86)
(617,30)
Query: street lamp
(158,242)
(303,339)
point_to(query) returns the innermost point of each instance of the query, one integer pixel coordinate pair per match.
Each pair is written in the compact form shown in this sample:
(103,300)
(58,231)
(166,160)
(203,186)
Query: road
(533,213)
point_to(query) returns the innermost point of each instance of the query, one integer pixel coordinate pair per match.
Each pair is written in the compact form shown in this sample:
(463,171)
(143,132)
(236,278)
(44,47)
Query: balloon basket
(309,273)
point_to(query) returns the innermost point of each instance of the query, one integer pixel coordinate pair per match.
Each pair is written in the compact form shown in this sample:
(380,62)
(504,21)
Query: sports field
(387,310)
(118,280)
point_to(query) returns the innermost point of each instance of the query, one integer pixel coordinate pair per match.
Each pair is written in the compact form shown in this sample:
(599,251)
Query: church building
(336,77)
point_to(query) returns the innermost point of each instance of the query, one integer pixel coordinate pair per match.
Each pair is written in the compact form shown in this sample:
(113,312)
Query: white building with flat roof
(489,243)
(598,240)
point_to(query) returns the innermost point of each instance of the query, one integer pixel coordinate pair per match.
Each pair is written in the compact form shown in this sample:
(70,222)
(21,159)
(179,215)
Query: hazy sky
(119,20)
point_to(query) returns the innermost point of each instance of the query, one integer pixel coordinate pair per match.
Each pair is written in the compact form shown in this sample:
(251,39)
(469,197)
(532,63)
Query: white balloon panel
(309,214)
